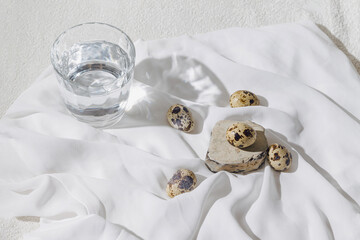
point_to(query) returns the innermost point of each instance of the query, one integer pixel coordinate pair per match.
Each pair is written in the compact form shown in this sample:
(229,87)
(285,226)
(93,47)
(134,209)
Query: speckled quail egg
(279,157)
(241,135)
(180,117)
(243,98)
(182,181)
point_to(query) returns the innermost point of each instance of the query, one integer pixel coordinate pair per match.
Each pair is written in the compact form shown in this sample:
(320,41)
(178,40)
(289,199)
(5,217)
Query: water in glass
(98,81)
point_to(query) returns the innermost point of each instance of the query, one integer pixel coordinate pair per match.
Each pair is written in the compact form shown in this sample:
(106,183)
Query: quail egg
(279,157)
(180,117)
(243,98)
(241,135)
(182,181)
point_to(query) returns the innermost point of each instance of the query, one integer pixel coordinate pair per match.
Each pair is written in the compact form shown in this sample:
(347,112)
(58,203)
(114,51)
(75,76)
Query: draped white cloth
(88,183)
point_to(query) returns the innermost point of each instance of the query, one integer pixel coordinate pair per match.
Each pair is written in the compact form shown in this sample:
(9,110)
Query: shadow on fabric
(148,107)
(183,77)
(318,168)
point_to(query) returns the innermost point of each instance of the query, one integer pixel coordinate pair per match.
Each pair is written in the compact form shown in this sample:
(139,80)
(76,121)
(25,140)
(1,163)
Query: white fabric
(87,183)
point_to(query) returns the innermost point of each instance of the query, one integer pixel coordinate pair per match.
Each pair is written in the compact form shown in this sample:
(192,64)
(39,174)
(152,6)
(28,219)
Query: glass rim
(61,35)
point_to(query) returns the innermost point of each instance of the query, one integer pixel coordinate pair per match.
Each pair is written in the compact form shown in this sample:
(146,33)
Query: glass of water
(94,64)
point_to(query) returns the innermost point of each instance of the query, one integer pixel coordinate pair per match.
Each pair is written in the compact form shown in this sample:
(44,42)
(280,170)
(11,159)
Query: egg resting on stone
(180,117)
(243,98)
(279,157)
(182,181)
(241,135)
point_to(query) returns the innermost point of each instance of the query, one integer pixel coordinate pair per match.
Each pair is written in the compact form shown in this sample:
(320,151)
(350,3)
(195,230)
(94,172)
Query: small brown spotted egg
(180,117)
(279,157)
(243,98)
(182,181)
(241,135)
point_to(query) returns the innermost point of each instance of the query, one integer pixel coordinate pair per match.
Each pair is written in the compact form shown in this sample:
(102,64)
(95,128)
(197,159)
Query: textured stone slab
(222,156)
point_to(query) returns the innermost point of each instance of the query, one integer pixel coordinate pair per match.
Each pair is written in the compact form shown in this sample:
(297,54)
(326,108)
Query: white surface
(88,183)
(28,28)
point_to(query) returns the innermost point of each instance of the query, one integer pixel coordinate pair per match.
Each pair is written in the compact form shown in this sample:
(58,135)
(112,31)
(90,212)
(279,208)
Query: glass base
(105,121)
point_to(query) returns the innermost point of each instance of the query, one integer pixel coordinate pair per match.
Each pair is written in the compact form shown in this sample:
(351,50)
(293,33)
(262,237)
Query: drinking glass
(94,63)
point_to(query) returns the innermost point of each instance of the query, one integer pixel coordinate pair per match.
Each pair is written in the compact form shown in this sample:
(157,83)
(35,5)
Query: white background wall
(29,27)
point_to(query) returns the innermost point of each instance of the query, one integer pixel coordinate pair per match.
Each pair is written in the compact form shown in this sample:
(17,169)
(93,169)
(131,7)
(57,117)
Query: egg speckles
(241,135)
(279,157)
(243,98)
(180,117)
(182,181)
